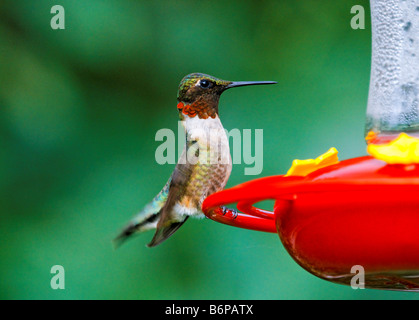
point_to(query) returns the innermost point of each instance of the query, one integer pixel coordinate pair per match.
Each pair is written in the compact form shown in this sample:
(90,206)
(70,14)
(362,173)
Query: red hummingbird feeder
(333,215)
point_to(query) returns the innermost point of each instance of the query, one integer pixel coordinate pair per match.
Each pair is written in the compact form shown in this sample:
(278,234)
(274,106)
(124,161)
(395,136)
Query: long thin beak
(247,83)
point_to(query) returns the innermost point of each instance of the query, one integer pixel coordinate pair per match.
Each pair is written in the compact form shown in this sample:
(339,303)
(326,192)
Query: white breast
(209,133)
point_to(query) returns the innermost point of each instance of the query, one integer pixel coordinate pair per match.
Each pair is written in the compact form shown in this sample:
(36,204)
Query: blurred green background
(79,110)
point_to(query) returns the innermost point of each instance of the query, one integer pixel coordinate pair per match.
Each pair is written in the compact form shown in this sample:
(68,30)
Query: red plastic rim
(353,175)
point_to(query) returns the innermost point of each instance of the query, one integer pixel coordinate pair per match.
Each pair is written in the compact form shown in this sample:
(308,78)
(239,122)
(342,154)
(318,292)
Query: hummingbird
(204,166)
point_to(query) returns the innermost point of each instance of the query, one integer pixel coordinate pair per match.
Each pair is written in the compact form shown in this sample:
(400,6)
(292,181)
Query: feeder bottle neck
(393,102)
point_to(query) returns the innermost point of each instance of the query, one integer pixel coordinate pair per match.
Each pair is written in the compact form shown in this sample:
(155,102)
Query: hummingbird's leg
(233,212)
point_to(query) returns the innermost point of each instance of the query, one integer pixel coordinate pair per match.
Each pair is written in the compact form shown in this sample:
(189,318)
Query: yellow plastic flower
(370,136)
(305,167)
(403,150)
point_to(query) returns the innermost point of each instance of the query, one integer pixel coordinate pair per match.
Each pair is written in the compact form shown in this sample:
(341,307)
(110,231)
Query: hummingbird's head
(200,93)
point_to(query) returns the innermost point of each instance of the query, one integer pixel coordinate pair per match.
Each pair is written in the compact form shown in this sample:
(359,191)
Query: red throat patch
(199,108)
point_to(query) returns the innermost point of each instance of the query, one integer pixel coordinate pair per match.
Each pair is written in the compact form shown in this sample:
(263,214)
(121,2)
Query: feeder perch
(333,215)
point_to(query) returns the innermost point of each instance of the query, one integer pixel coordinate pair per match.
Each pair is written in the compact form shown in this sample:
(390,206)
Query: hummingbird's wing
(170,221)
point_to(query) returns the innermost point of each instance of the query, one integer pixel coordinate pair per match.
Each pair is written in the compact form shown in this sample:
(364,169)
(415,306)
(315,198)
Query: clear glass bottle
(393,102)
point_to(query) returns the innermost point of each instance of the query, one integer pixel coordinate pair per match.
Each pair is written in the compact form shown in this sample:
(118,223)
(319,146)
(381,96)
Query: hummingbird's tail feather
(164,232)
(135,227)
(145,220)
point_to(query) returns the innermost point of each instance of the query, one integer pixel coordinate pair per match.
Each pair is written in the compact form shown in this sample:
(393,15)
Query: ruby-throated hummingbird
(204,166)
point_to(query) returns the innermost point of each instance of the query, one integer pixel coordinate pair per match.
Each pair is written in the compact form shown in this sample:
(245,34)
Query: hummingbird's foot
(233,212)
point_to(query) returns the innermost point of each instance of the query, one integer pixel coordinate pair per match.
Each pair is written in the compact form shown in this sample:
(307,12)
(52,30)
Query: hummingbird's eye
(205,84)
